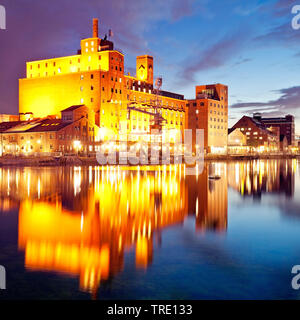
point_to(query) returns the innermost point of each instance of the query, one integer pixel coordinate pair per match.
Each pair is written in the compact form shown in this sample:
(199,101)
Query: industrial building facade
(209,111)
(258,136)
(120,106)
(73,132)
(286,126)
(95,77)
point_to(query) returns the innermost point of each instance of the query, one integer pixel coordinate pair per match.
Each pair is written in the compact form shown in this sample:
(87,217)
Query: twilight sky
(248,45)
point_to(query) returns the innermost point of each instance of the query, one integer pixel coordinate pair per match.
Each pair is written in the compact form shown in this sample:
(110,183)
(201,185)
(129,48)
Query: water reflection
(82,221)
(258,177)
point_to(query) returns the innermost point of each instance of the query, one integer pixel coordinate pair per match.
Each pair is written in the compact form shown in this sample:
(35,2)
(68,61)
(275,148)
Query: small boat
(214,177)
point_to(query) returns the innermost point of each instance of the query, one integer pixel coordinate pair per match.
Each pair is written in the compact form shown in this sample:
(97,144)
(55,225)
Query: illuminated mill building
(95,78)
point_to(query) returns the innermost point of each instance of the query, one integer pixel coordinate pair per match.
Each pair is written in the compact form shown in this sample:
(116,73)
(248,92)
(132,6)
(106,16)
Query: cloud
(246,9)
(214,56)
(289,101)
(282,34)
(241,61)
(283,7)
(182,9)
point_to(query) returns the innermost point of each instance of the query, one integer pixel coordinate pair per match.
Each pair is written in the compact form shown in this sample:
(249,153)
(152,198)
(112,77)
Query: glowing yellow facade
(95,77)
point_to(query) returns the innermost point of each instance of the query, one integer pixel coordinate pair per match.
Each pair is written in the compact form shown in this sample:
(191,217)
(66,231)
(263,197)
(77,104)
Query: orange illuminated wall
(144,68)
(209,111)
(95,77)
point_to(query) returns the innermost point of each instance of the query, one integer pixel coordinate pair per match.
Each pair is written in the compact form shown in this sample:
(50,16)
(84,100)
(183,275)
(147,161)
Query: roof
(46,125)
(171,95)
(279,119)
(72,108)
(49,125)
(258,124)
(7,125)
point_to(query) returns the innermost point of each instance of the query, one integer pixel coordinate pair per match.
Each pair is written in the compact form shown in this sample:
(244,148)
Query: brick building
(74,132)
(95,77)
(259,137)
(286,125)
(209,111)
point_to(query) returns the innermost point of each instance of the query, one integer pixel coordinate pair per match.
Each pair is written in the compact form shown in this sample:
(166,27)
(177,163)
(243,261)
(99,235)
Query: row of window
(201,104)
(216,119)
(219,113)
(217,127)
(12,138)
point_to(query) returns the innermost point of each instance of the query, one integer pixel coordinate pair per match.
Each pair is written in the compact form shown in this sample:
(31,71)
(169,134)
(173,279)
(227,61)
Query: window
(81,77)
(92,76)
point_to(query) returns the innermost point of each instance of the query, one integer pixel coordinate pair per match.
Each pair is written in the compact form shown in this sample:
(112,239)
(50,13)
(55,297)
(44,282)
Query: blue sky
(248,45)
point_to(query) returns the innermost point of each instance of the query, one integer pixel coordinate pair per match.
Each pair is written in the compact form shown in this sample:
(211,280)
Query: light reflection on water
(82,222)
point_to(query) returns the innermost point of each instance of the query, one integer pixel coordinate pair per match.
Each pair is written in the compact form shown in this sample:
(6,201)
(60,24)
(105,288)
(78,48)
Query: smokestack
(95,28)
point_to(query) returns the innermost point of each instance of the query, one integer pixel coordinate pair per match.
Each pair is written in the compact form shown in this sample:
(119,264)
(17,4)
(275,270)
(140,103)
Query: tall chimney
(95,28)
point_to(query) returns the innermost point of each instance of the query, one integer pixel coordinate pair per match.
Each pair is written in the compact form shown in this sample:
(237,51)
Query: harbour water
(151,232)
